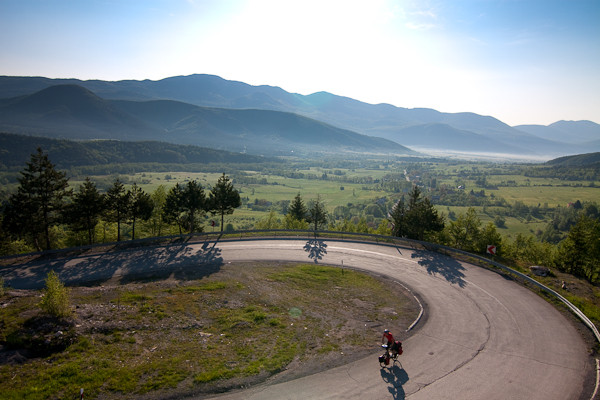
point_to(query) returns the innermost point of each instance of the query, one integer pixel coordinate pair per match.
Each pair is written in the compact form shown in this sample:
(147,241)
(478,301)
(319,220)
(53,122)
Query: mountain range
(73,112)
(214,112)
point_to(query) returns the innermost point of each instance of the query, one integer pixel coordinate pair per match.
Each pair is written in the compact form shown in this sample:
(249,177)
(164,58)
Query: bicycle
(390,354)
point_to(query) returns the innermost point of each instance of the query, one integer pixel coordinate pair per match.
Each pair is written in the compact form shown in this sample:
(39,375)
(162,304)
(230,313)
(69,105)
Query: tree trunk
(90,230)
(118,229)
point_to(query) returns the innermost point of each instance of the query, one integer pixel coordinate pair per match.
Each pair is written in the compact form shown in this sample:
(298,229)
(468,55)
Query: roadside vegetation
(232,328)
(535,214)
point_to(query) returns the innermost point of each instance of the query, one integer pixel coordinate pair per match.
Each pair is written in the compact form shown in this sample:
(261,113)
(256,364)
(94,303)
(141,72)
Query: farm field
(553,196)
(262,191)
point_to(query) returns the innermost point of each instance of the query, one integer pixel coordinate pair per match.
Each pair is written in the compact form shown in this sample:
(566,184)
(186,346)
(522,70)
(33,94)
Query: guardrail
(297,234)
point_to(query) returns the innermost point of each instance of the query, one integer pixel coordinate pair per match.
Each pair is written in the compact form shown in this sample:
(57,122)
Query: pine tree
(85,210)
(397,218)
(173,208)
(141,207)
(297,209)
(317,215)
(194,203)
(416,219)
(421,216)
(184,204)
(118,205)
(39,201)
(159,197)
(224,198)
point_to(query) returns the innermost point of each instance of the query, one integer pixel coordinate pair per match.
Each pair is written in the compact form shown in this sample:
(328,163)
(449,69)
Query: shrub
(56,297)
(2,288)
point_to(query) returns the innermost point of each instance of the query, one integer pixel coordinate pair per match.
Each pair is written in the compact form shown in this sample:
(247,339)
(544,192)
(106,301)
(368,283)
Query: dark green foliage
(159,197)
(173,209)
(579,253)
(224,198)
(141,206)
(118,205)
(463,233)
(563,219)
(417,219)
(398,219)
(526,248)
(84,212)
(39,201)
(68,154)
(297,210)
(194,201)
(499,221)
(489,235)
(184,204)
(317,214)
(579,160)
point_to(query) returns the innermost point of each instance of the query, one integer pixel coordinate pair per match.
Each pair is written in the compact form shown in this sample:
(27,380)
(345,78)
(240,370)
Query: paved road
(484,336)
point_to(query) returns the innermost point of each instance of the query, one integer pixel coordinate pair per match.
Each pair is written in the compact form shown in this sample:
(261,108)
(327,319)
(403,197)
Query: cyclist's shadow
(395,377)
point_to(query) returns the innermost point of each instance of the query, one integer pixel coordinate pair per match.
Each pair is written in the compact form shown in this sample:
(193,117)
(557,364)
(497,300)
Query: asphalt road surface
(483,336)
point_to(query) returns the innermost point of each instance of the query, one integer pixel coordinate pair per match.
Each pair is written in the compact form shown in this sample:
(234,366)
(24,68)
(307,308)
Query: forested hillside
(579,160)
(15,150)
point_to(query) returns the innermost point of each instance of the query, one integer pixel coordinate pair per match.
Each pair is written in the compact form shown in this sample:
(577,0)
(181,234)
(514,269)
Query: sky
(521,61)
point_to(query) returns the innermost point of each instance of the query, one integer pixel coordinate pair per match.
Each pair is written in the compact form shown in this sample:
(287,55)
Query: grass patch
(244,321)
(589,308)
(208,286)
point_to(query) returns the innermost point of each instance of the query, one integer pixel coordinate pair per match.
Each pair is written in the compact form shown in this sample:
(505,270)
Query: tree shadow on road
(316,249)
(179,260)
(395,377)
(438,264)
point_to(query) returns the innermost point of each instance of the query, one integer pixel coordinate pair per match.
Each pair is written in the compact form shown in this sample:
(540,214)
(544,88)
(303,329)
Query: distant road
(483,336)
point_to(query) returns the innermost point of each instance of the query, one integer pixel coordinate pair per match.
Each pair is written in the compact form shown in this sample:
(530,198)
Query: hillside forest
(423,199)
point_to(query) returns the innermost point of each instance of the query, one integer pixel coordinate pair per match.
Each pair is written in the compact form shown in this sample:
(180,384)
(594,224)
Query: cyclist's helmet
(386,330)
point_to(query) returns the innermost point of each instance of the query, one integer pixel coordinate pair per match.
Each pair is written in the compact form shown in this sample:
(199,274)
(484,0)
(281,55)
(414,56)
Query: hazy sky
(523,62)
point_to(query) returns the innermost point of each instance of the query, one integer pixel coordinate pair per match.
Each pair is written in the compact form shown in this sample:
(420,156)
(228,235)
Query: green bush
(56,297)
(2,288)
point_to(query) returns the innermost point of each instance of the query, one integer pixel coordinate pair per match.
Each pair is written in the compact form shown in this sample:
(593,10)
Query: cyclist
(387,337)
(392,345)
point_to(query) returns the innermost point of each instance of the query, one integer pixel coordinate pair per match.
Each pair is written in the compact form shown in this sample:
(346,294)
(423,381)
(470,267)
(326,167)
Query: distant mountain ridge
(580,132)
(451,131)
(71,111)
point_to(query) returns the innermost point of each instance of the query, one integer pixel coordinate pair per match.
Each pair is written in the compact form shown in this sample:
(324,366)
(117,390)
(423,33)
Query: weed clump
(56,297)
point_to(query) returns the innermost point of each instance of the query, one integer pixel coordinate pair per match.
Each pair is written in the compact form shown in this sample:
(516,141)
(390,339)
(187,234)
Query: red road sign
(491,249)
